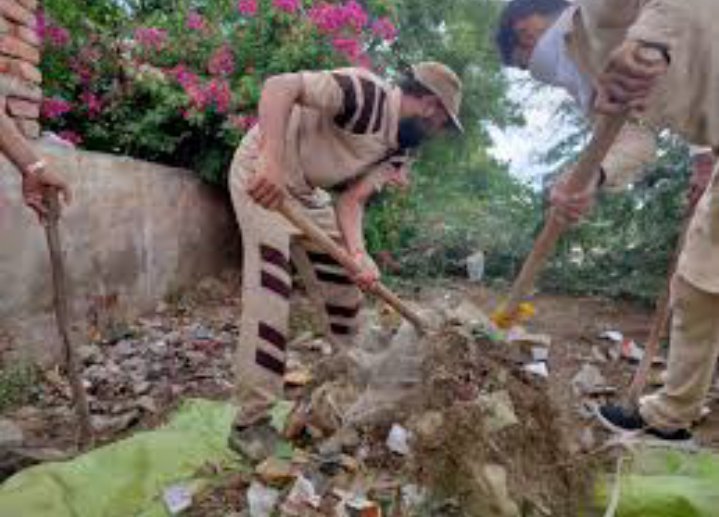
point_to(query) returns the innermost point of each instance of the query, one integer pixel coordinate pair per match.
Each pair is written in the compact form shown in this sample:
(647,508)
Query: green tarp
(127,478)
(666,483)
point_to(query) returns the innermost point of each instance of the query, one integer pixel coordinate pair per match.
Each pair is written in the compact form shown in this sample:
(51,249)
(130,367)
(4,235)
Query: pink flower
(183,76)
(54,107)
(222,61)
(92,102)
(331,18)
(247,7)
(355,15)
(70,136)
(151,38)
(196,22)
(385,29)
(197,95)
(57,36)
(348,47)
(219,92)
(40,24)
(287,6)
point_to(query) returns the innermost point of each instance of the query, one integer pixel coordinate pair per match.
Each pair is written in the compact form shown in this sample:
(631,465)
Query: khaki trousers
(270,246)
(694,345)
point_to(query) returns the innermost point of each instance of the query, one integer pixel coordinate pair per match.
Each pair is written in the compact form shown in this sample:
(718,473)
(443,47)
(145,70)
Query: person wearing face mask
(328,140)
(596,50)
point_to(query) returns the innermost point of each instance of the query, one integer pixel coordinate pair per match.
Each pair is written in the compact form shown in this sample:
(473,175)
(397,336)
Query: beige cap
(444,83)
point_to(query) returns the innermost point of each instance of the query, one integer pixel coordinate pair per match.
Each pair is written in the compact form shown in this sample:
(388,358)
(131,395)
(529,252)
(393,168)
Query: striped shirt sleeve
(357,101)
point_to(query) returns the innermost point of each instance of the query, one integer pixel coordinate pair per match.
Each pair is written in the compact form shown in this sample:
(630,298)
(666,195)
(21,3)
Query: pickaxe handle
(59,281)
(295,216)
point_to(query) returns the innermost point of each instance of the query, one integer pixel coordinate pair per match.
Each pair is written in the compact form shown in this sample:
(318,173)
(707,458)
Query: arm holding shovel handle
(294,215)
(627,59)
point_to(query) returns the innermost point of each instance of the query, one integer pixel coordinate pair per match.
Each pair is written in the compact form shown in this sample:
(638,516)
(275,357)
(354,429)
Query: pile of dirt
(488,434)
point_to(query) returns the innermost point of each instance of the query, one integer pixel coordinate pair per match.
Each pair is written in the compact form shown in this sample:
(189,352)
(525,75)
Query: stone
(499,411)
(275,472)
(141,388)
(158,348)
(10,434)
(15,47)
(262,500)
(147,403)
(588,380)
(5,26)
(17,12)
(428,429)
(115,424)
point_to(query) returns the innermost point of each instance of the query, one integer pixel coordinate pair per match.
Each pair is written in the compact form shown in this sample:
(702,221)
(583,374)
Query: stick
(59,281)
(659,323)
(585,172)
(294,215)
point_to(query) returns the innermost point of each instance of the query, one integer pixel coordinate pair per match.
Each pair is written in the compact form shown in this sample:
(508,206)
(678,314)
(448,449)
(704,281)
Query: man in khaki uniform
(327,140)
(594,50)
(37,179)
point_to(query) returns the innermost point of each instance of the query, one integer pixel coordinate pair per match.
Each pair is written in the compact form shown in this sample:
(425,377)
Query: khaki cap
(444,83)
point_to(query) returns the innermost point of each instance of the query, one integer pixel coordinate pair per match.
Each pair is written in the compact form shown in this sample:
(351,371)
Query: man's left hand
(630,76)
(369,275)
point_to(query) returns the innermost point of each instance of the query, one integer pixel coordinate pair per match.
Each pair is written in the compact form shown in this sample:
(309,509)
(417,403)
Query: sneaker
(618,419)
(628,421)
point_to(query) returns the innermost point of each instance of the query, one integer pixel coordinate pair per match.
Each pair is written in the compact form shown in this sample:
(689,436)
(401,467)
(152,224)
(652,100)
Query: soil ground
(574,324)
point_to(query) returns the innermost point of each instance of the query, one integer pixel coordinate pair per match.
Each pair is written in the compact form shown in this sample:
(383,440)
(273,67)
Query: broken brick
(5,26)
(15,12)
(12,46)
(23,108)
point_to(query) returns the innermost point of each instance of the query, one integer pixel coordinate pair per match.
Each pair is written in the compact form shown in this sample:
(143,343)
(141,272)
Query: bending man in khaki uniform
(36,178)
(329,140)
(591,48)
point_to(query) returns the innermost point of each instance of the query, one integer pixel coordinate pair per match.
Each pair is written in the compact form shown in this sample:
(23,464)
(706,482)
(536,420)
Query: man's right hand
(571,206)
(36,188)
(267,188)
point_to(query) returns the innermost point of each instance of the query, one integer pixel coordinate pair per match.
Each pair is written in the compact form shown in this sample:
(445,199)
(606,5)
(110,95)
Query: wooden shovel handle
(59,281)
(585,172)
(295,216)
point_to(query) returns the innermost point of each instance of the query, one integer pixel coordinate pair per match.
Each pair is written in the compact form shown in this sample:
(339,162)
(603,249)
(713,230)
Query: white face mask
(551,64)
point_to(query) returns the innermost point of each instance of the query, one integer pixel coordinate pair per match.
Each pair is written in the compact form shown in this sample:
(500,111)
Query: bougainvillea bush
(181,86)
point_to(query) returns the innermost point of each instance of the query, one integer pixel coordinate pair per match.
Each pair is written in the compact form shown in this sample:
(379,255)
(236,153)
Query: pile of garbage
(456,422)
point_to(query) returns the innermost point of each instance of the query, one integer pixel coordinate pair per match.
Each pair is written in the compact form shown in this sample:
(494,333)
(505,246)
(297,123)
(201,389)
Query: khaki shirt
(345,127)
(685,101)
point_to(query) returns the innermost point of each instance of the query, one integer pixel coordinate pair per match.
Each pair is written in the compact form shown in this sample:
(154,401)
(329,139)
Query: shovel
(294,215)
(59,281)
(586,171)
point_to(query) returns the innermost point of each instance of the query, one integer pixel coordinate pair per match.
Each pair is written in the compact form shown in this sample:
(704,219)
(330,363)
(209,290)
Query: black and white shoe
(618,419)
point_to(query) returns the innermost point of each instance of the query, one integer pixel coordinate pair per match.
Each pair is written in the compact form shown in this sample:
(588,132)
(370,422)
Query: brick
(20,69)
(15,12)
(29,128)
(28,4)
(23,108)
(5,26)
(11,46)
(27,35)
(14,87)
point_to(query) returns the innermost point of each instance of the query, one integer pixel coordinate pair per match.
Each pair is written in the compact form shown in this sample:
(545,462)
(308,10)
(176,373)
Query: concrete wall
(136,232)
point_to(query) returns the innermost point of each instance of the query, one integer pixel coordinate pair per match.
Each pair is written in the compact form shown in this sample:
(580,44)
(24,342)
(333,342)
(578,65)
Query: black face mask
(412,132)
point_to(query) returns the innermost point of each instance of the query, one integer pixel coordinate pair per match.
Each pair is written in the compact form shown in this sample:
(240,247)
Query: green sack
(126,478)
(665,483)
